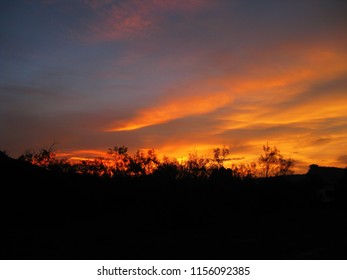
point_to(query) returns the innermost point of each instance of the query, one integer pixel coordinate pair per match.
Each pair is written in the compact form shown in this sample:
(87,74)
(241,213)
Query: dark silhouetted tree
(143,163)
(272,163)
(245,170)
(169,168)
(121,160)
(3,155)
(196,166)
(96,167)
(219,157)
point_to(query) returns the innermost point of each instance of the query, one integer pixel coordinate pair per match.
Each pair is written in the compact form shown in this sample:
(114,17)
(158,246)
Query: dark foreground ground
(47,215)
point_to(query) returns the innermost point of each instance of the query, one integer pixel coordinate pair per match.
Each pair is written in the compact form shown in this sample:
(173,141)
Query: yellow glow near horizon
(256,102)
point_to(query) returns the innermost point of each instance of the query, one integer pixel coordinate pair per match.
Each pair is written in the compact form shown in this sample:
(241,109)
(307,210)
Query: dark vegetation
(140,207)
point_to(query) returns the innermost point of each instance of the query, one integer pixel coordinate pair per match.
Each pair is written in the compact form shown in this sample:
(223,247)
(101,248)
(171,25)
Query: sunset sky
(175,75)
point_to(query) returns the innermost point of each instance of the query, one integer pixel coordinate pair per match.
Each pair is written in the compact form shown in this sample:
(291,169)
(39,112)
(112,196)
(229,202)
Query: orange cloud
(285,104)
(81,154)
(265,87)
(174,109)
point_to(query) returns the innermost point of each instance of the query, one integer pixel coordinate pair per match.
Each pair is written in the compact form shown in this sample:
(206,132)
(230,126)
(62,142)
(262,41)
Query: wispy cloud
(115,20)
(174,109)
(288,103)
(177,75)
(260,93)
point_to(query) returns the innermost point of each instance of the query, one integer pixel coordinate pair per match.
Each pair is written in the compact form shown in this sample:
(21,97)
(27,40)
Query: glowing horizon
(176,76)
(181,154)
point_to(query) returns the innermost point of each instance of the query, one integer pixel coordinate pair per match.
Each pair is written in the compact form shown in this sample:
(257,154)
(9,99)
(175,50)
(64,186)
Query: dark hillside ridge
(54,215)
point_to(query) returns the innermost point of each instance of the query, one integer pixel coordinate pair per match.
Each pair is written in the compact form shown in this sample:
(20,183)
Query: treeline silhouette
(119,163)
(140,207)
